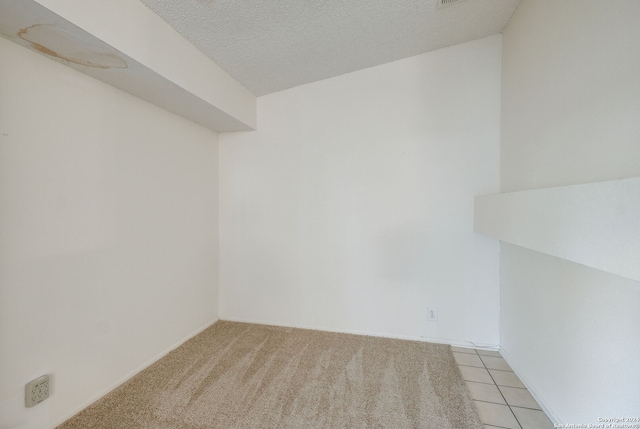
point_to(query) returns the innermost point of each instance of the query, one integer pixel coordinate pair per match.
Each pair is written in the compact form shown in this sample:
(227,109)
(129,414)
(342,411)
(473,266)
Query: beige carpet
(238,375)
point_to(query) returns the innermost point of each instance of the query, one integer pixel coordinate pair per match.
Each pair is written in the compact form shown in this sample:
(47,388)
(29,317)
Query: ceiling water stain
(37,46)
(68,46)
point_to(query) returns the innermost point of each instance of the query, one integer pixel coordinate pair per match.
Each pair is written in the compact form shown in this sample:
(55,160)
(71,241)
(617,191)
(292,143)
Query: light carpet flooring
(238,375)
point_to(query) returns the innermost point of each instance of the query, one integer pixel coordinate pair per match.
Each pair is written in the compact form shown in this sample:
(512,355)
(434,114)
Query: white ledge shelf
(594,224)
(135,51)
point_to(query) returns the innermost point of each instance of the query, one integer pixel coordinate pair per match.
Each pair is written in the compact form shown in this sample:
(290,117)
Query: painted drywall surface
(108,249)
(553,221)
(571,332)
(30,24)
(133,29)
(570,108)
(570,80)
(351,207)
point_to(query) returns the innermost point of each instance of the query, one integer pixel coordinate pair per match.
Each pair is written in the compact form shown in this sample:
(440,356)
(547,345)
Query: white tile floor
(499,395)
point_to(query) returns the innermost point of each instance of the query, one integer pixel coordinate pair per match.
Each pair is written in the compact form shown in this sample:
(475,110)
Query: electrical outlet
(432,314)
(36,391)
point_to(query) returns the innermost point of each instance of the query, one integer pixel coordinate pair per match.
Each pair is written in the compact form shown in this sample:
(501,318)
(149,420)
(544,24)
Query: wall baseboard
(451,342)
(131,374)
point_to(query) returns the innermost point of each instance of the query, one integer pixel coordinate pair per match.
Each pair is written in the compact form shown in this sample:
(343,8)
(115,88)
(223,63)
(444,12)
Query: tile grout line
(506,403)
(494,383)
(480,382)
(488,384)
(492,369)
(497,387)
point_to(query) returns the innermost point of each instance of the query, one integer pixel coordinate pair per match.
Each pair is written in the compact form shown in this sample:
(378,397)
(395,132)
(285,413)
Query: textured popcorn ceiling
(271,45)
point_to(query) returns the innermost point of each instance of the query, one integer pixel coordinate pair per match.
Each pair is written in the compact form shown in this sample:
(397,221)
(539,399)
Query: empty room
(319,214)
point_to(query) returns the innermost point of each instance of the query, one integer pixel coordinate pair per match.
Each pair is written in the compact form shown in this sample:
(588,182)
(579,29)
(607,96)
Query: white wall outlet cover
(36,391)
(432,314)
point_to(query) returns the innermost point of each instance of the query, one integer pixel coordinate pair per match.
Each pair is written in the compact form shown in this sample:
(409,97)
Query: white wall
(593,224)
(570,109)
(351,207)
(108,234)
(137,32)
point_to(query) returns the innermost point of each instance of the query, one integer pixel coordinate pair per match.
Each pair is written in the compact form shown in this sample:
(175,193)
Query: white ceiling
(271,45)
